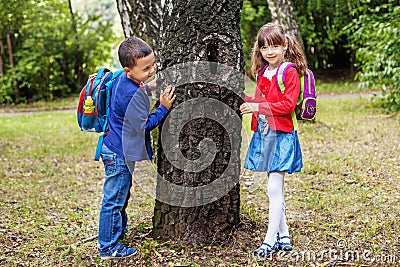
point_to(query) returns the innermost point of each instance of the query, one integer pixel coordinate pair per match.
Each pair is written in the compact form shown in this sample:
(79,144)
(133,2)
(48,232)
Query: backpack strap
(280,83)
(281,75)
(310,81)
(98,148)
(262,71)
(105,125)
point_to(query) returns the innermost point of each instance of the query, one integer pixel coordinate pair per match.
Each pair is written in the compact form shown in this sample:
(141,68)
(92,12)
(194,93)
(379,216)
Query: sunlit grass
(349,189)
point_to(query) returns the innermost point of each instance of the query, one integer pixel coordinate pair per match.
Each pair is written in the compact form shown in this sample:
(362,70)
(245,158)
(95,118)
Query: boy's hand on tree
(167,97)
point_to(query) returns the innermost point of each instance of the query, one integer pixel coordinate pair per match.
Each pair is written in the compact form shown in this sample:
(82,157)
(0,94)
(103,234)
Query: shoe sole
(113,258)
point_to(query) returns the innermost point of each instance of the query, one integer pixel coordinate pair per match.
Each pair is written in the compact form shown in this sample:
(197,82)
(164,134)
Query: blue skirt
(273,151)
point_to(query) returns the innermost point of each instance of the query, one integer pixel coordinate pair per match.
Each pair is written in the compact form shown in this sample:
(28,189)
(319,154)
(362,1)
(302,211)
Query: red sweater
(277,106)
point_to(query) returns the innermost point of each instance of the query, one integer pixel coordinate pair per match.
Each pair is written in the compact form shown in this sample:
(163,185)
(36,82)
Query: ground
(343,208)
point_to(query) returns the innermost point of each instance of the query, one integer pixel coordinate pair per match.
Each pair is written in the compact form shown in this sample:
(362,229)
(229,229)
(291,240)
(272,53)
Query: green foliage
(375,36)
(320,25)
(343,34)
(255,13)
(54,50)
(5,89)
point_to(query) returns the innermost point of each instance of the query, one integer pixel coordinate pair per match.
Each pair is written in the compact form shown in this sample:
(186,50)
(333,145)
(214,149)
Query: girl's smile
(274,55)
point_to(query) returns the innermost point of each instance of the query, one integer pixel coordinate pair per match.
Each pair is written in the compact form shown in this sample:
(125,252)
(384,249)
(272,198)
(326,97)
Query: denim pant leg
(117,184)
(131,166)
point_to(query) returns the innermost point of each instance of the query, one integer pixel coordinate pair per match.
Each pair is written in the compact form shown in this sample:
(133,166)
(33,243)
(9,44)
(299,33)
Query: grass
(343,87)
(345,202)
(57,104)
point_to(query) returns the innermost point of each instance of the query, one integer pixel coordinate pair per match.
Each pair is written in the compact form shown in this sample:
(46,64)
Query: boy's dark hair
(131,49)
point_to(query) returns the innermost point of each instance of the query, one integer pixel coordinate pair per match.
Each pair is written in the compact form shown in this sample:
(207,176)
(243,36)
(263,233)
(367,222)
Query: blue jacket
(130,122)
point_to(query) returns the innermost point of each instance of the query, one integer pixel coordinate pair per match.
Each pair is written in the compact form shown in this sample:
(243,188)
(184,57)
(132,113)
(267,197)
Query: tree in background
(42,55)
(259,12)
(53,49)
(375,36)
(321,24)
(142,19)
(11,19)
(255,13)
(283,13)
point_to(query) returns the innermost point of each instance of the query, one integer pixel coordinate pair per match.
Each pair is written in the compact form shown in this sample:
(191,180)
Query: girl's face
(143,70)
(273,54)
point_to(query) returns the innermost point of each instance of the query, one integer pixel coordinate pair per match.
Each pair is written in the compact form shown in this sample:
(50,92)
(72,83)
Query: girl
(275,146)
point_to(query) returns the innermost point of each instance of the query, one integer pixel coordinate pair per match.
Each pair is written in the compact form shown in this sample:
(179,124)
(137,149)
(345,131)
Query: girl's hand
(167,97)
(249,108)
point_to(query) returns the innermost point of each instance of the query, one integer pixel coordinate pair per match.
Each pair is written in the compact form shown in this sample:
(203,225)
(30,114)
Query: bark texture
(12,65)
(282,12)
(195,32)
(1,59)
(141,18)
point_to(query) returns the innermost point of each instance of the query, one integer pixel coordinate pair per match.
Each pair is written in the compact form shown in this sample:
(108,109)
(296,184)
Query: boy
(128,140)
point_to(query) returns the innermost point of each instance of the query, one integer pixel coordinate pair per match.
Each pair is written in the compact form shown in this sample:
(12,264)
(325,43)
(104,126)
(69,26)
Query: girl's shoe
(284,246)
(266,250)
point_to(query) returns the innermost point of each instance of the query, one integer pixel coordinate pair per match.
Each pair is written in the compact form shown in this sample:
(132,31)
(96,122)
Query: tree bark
(142,19)
(353,52)
(282,12)
(78,52)
(1,59)
(12,65)
(198,198)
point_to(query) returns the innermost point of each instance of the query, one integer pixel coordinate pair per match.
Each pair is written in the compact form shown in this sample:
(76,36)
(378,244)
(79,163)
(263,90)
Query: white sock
(276,207)
(283,227)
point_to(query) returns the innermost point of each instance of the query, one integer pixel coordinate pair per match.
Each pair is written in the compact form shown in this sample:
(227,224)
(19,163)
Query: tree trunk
(142,19)
(282,12)
(12,65)
(353,52)
(1,59)
(78,51)
(197,197)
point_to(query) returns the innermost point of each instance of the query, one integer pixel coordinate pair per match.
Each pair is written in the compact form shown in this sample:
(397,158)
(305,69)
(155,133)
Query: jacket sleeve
(155,118)
(258,96)
(287,101)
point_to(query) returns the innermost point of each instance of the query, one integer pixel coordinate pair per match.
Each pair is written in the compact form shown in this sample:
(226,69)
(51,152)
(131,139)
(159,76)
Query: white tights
(277,217)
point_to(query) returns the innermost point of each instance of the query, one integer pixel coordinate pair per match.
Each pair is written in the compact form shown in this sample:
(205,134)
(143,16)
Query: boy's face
(143,70)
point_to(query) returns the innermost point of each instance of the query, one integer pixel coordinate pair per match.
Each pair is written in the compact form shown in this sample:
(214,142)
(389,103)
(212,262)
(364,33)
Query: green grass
(62,103)
(347,193)
(344,87)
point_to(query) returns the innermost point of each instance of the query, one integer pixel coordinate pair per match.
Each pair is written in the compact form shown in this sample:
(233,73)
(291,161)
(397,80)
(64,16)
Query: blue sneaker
(121,251)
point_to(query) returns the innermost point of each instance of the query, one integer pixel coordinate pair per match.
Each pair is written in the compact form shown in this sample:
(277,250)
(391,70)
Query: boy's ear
(126,70)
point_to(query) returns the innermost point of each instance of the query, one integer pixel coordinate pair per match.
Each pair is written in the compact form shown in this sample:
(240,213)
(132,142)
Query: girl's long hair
(273,34)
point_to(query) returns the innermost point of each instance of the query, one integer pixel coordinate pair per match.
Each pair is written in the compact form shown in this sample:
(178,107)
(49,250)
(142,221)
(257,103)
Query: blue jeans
(117,184)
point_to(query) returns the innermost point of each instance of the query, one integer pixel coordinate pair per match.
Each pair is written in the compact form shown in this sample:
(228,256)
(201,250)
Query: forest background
(343,208)
(49,47)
